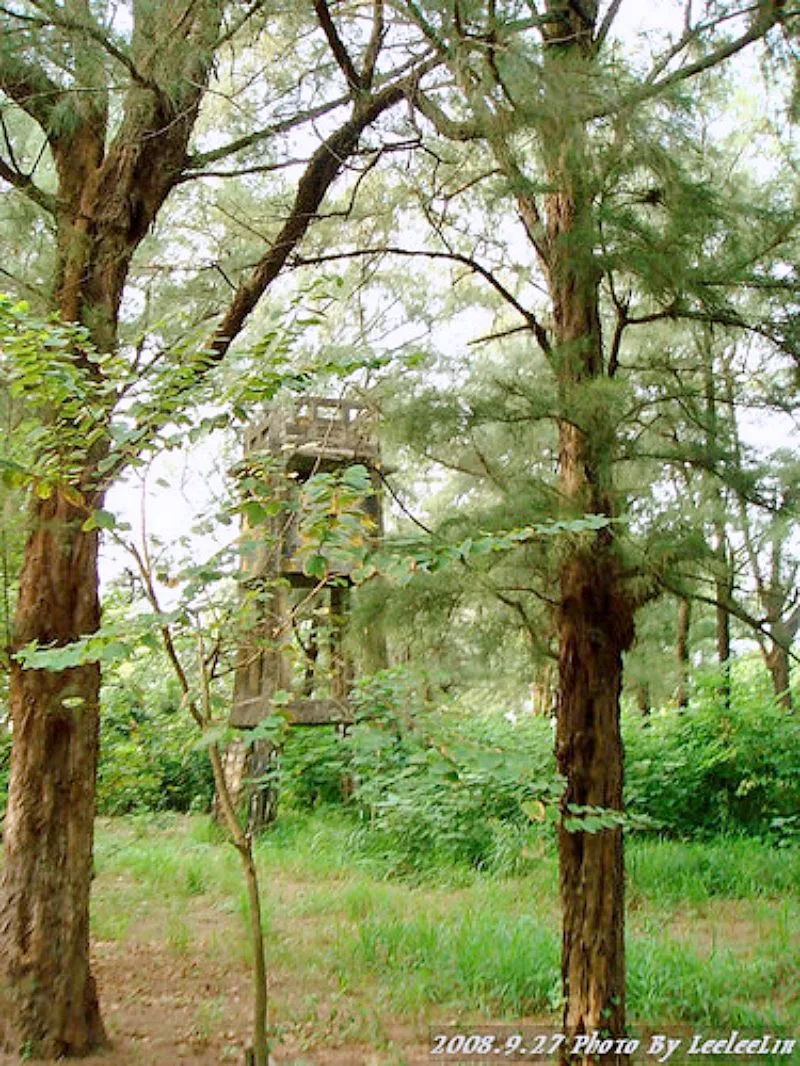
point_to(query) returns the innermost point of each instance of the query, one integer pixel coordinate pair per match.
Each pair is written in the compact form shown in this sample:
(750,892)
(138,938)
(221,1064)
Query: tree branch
(606,24)
(340,53)
(450,128)
(238,24)
(323,168)
(768,16)
(264,168)
(28,186)
(200,159)
(374,46)
(93,32)
(29,88)
(532,322)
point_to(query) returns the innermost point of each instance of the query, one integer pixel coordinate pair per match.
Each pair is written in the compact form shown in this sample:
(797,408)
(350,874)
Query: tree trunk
(110,190)
(724,578)
(47,992)
(595,628)
(778,664)
(543,691)
(723,633)
(111,186)
(107,200)
(48,1000)
(682,651)
(263,762)
(643,698)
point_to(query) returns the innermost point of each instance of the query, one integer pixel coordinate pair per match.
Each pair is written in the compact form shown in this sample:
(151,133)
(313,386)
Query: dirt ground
(163,1011)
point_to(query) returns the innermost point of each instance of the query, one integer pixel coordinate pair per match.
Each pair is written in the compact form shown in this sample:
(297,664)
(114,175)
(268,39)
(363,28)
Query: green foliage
(426,787)
(408,556)
(69,389)
(708,770)
(430,786)
(333,526)
(314,769)
(436,787)
(149,756)
(482,945)
(697,871)
(497,962)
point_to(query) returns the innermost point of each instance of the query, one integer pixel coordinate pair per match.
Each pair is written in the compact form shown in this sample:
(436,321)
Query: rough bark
(48,995)
(595,615)
(595,628)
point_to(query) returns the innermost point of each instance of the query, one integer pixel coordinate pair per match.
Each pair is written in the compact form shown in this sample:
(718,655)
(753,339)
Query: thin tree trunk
(643,698)
(682,651)
(723,630)
(48,999)
(243,843)
(724,578)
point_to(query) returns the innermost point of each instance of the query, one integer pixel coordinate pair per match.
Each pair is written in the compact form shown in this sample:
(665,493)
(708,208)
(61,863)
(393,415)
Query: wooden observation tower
(296,644)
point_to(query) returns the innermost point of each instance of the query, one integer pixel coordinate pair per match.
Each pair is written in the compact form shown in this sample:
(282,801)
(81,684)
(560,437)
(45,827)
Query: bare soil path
(164,1011)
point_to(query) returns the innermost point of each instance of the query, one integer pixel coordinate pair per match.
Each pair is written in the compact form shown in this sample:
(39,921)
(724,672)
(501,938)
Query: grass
(712,930)
(738,868)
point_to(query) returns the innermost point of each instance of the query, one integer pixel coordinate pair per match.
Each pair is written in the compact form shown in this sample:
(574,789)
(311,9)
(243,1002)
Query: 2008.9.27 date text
(499,1044)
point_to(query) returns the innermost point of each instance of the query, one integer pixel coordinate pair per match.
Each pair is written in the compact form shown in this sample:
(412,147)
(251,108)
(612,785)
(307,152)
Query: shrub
(149,758)
(442,786)
(432,786)
(709,770)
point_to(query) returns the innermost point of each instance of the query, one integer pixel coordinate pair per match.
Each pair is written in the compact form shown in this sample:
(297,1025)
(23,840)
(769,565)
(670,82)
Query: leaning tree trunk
(49,999)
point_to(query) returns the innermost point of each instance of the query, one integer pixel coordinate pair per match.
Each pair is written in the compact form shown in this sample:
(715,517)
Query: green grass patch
(712,932)
(726,868)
